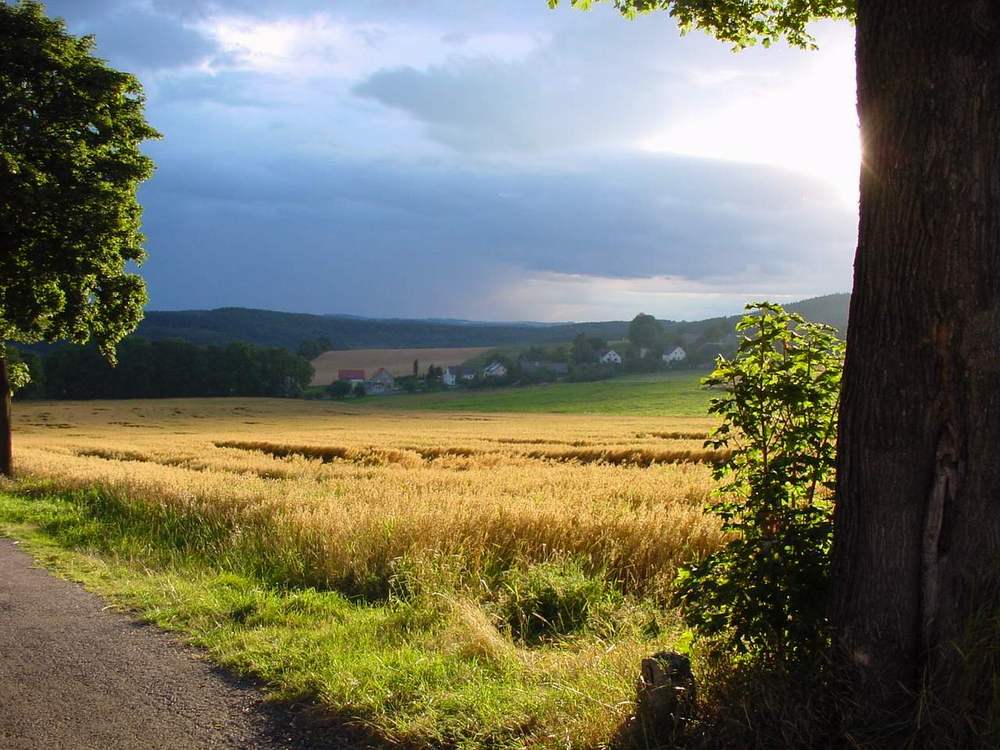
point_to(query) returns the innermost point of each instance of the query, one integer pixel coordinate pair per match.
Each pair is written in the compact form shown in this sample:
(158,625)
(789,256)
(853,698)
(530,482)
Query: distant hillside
(289,330)
(832,309)
(269,328)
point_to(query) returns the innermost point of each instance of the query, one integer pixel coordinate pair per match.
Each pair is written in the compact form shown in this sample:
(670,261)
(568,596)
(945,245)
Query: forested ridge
(165,369)
(289,330)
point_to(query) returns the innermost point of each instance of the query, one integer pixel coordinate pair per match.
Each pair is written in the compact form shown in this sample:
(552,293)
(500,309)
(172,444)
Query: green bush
(339,389)
(548,600)
(764,593)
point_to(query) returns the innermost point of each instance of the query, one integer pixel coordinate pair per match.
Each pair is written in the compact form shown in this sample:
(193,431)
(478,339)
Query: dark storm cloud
(132,35)
(372,231)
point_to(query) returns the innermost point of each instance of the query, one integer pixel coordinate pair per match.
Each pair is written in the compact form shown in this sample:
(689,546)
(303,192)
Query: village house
(454,373)
(609,357)
(495,370)
(353,376)
(380,382)
(675,355)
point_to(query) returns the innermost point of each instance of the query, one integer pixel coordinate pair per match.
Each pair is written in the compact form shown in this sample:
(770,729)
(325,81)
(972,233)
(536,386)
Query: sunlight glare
(807,124)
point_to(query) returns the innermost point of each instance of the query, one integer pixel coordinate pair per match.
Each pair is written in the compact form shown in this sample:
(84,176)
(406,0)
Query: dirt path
(76,675)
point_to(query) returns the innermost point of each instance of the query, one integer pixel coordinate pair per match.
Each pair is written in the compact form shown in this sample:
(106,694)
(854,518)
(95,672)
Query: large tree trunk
(917,524)
(6,462)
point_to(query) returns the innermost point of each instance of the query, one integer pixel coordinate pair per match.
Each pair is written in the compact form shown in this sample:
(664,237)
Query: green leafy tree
(339,389)
(27,378)
(535,354)
(581,350)
(312,348)
(70,164)
(645,331)
(741,23)
(765,590)
(584,348)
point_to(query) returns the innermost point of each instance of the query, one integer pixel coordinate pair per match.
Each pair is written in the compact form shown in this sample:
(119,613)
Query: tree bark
(6,456)
(917,523)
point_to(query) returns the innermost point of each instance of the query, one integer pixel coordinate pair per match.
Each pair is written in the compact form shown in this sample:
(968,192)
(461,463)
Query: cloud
(493,160)
(133,35)
(488,106)
(599,81)
(637,86)
(387,238)
(321,45)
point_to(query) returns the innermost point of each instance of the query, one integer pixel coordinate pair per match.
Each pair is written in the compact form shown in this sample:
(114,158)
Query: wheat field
(352,491)
(336,498)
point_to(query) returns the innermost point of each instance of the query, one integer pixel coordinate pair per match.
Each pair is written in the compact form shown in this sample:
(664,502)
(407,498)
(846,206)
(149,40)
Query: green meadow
(675,394)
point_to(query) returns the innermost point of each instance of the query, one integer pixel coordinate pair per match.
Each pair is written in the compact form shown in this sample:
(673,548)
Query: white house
(609,357)
(495,370)
(676,355)
(454,373)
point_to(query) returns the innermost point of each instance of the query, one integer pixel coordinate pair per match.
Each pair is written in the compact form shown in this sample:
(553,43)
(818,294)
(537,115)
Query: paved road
(76,675)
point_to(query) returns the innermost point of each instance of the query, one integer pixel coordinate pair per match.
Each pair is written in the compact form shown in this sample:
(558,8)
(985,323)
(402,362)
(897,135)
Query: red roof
(350,374)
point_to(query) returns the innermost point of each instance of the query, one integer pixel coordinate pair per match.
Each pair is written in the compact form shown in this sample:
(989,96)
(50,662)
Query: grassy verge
(542,656)
(675,394)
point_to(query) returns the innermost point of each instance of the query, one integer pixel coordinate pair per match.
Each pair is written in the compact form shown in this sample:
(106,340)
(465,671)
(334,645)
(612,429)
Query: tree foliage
(312,348)
(584,348)
(765,590)
(742,23)
(18,371)
(171,369)
(70,130)
(339,389)
(645,331)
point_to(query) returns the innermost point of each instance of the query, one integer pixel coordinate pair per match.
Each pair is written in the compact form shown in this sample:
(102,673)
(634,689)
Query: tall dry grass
(591,513)
(338,496)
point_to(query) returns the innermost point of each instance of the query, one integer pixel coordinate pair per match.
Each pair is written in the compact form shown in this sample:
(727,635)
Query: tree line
(164,369)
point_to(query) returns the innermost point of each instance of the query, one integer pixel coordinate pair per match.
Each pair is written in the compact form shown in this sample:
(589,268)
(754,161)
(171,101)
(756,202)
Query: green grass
(673,394)
(423,667)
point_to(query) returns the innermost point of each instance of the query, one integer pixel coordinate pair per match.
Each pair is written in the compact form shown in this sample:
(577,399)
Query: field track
(74,675)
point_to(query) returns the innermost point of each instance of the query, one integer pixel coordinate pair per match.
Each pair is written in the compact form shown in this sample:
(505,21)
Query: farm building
(355,376)
(609,357)
(454,373)
(675,355)
(381,382)
(495,370)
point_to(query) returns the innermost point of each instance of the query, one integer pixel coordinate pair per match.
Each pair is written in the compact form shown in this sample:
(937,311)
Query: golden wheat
(345,493)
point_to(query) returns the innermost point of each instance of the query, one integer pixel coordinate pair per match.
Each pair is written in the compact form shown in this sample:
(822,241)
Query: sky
(481,159)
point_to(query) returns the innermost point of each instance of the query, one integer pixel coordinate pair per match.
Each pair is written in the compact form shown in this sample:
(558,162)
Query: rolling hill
(270,328)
